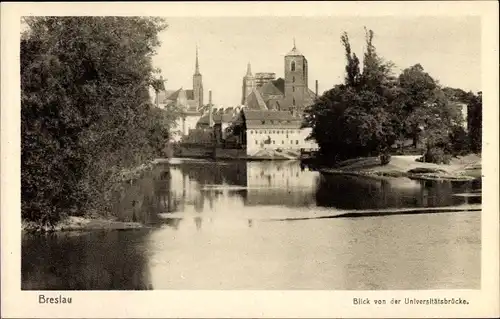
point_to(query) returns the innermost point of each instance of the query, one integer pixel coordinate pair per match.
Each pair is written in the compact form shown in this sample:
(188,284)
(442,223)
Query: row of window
(273,142)
(279,122)
(274,132)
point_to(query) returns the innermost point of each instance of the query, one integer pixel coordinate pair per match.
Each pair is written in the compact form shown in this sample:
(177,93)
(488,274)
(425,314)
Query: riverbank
(74,223)
(95,220)
(462,168)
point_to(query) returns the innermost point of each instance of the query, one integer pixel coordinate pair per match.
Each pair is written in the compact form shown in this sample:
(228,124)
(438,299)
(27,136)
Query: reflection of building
(197,187)
(191,183)
(188,102)
(279,183)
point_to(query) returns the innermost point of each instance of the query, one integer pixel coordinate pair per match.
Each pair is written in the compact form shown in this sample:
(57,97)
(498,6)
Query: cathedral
(189,101)
(263,91)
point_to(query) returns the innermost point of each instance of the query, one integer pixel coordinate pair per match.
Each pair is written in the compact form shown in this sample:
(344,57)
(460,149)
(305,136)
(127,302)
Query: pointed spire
(249,69)
(294,42)
(197,65)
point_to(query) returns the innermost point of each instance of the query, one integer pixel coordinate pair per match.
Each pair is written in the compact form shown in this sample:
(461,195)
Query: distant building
(203,136)
(263,132)
(269,121)
(262,78)
(188,102)
(289,94)
(464,112)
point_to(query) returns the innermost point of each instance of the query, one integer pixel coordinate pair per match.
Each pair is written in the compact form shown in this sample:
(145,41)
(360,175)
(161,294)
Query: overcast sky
(447,47)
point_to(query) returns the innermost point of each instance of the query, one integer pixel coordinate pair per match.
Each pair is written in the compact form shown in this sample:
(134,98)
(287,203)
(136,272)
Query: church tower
(296,81)
(248,84)
(197,84)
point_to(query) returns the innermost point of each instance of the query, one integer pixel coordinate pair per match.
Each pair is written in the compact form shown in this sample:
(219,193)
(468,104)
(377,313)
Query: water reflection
(85,261)
(211,232)
(351,192)
(231,186)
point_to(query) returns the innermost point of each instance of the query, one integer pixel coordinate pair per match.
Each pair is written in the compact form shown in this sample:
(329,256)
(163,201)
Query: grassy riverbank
(460,168)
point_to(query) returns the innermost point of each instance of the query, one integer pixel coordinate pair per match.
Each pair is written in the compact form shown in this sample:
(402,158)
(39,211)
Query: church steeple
(197,65)
(249,70)
(248,84)
(197,83)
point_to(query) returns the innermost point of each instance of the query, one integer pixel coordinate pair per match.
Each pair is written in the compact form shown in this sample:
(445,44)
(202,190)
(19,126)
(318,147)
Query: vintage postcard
(250,159)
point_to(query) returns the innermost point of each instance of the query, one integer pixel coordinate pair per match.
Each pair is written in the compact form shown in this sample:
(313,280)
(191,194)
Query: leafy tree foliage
(85,109)
(373,109)
(353,119)
(475,121)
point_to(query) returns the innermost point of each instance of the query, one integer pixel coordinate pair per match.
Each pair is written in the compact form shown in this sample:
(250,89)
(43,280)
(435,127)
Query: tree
(85,109)
(475,121)
(353,119)
(416,88)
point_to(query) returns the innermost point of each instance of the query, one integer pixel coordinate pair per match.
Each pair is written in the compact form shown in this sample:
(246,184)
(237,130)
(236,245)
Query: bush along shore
(96,220)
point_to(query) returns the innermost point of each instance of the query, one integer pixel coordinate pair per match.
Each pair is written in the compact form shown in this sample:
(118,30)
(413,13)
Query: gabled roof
(190,94)
(172,95)
(218,115)
(270,89)
(279,83)
(162,96)
(255,101)
(271,119)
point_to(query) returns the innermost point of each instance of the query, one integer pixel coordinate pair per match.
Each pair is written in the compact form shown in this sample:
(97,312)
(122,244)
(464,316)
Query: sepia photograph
(266,153)
(215,147)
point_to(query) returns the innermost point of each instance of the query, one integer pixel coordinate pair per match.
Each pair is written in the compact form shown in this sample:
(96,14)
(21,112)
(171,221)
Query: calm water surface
(224,226)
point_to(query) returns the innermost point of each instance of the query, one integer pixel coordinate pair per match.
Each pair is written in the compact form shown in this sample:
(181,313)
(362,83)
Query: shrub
(385,159)
(436,155)
(459,141)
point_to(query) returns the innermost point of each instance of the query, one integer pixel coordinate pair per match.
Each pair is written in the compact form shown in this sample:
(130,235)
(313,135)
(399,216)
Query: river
(238,225)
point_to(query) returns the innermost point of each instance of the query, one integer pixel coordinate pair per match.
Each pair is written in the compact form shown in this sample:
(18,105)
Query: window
(292,66)
(297,142)
(293,79)
(251,132)
(273,141)
(293,101)
(293,88)
(256,142)
(263,122)
(282,142)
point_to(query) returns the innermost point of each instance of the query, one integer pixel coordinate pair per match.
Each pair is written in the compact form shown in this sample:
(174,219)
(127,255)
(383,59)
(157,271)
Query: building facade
(269,132)
(189,102)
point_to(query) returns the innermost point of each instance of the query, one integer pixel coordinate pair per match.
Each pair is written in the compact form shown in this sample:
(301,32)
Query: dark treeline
(86,113)
(374,110)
